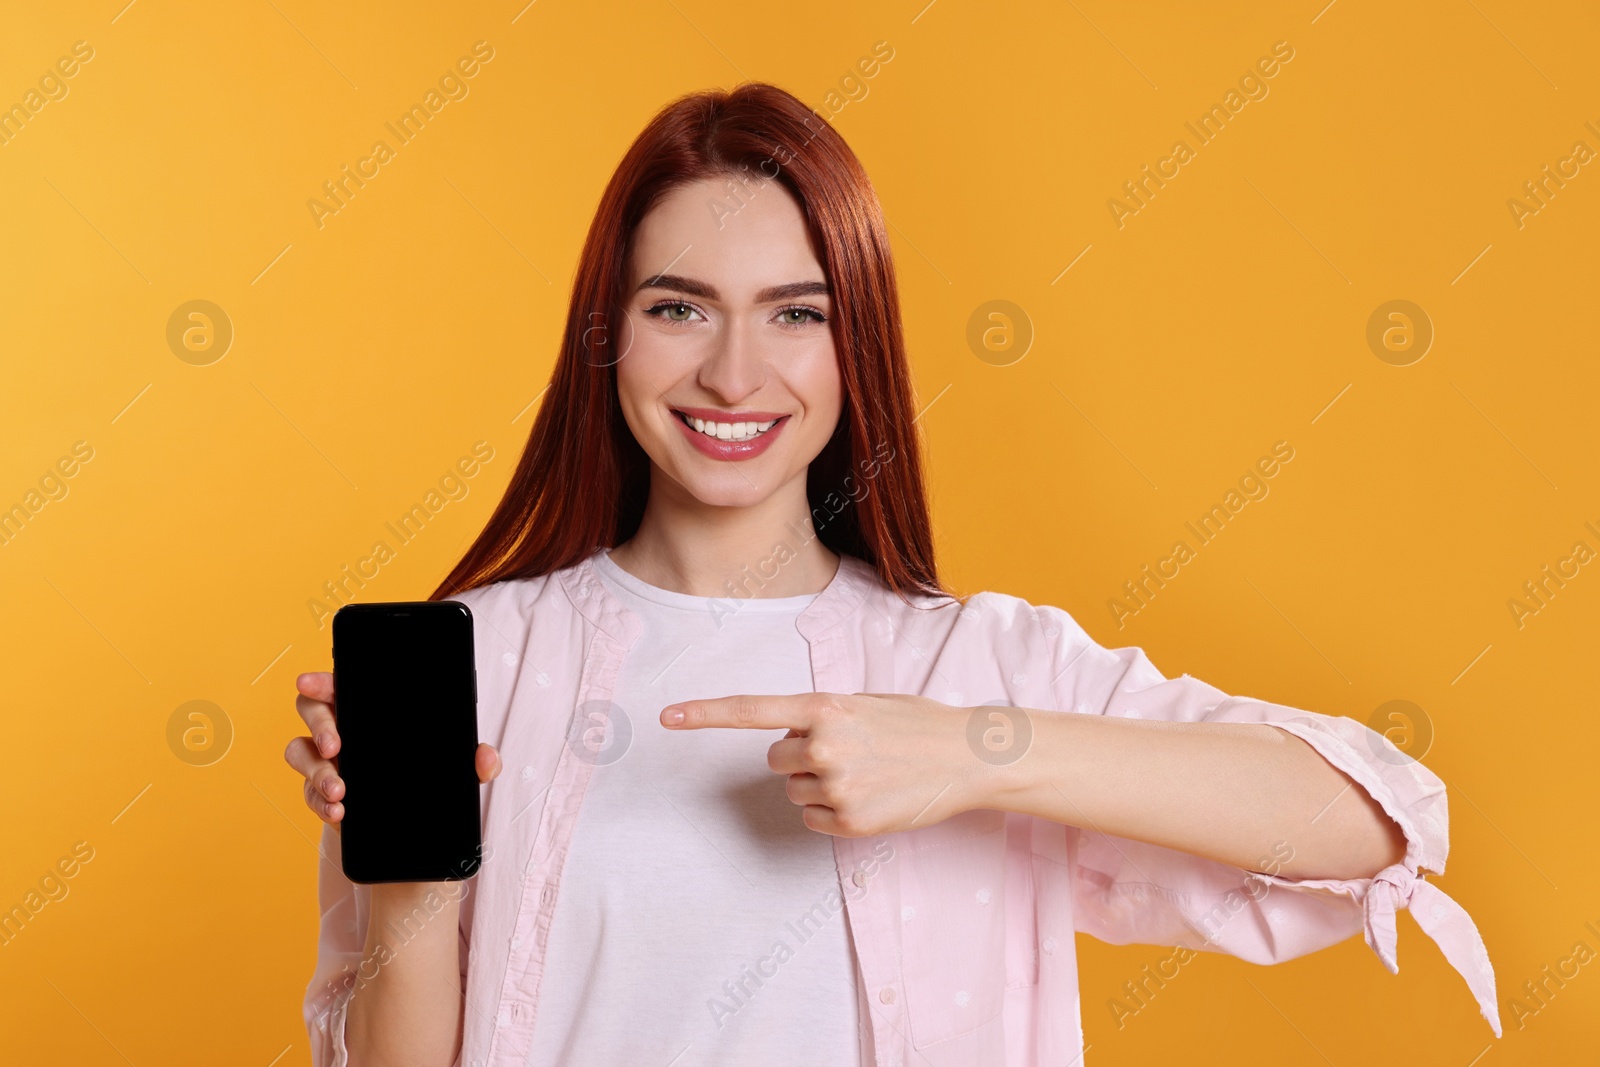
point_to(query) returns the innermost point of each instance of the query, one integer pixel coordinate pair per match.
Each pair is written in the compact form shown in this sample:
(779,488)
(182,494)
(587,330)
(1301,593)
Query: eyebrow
(705,290)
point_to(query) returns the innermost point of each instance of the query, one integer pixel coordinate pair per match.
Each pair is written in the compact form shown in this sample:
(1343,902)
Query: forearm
(406,1010)
(1230,792)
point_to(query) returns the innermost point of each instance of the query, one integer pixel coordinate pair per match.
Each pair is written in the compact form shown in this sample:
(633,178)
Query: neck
(766,549)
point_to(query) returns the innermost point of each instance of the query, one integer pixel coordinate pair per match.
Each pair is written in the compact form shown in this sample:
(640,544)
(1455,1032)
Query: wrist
(1002,759)
(405,896)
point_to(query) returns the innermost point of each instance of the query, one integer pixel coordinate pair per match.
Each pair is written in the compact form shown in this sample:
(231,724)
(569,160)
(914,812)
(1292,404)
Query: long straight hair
(582,481)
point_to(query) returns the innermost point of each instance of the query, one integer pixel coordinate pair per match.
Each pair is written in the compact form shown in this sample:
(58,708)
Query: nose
(734,366)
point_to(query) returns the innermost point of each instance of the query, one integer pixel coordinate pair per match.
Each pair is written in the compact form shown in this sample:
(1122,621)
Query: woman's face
(728,321)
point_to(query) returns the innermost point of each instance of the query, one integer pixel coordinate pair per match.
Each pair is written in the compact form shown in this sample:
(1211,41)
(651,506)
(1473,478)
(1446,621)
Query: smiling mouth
(728,431)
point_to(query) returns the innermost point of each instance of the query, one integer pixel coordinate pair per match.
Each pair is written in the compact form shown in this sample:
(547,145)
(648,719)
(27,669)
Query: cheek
(824,389)
(633,391)
(642,370)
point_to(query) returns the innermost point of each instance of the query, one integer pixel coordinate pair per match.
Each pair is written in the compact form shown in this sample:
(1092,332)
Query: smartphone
(406,706)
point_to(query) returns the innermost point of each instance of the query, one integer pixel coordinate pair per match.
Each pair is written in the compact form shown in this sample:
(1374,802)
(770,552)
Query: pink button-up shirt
(963,930)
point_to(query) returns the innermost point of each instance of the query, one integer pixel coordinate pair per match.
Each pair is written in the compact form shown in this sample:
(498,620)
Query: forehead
(740,239)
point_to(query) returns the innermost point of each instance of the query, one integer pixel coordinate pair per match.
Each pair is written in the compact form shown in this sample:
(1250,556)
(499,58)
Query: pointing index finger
(743,711)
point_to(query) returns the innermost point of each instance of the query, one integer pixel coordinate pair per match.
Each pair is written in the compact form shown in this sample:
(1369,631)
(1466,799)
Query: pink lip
(730,450)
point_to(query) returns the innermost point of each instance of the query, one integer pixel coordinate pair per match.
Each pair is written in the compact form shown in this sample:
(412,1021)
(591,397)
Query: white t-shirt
(700,922)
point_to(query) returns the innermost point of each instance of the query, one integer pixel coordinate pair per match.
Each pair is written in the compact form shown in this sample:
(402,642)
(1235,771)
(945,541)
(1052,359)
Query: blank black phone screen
(406,707)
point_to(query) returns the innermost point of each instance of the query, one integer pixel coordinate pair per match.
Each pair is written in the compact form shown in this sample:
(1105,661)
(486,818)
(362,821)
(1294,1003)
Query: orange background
(1229,313)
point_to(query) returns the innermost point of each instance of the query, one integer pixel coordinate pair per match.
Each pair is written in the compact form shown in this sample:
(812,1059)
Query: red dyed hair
(566,500)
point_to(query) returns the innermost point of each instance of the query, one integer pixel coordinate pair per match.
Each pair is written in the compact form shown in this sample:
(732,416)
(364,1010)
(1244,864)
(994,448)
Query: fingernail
(324,743)
(674,716)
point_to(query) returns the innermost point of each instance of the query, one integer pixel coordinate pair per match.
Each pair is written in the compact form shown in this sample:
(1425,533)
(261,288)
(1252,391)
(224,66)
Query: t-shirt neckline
(612,571)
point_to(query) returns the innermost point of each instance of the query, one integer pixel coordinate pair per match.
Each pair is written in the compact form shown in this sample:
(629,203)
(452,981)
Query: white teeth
(732,431)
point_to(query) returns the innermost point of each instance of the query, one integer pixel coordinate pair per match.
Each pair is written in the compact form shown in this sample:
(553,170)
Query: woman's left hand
(861,764)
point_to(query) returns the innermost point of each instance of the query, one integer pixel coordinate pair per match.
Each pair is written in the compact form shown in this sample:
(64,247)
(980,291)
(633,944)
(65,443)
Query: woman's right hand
(313,756)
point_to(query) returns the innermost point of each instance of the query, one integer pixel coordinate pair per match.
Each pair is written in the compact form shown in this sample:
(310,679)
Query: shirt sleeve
(341,967)
(1129,892)
(342,935)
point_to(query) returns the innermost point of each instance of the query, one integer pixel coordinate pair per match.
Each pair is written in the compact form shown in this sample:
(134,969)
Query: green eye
(807,314)
(667,309)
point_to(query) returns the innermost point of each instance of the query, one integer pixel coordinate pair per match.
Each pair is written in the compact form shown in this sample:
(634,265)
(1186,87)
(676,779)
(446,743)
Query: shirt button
(886,994)
(1019,678)
(859,878)
(505,1017)
(527,772)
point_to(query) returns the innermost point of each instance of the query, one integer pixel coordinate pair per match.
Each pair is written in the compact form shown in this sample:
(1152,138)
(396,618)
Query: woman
(884,811)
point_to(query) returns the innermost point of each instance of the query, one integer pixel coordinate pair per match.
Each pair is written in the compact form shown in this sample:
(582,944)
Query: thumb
(488,761)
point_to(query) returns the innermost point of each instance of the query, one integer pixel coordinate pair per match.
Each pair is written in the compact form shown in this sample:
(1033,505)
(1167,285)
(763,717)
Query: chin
(723,495)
